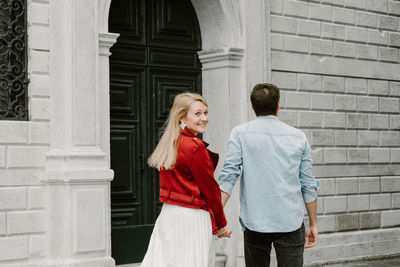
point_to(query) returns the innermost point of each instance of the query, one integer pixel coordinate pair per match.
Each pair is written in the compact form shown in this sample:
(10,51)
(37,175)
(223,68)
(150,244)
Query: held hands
(311,236)
(223,232)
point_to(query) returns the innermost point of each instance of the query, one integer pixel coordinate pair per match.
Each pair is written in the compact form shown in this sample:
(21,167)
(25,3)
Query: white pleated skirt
(182,237)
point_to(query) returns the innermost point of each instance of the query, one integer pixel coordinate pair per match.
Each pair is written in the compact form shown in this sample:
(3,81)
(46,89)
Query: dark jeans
(289,248)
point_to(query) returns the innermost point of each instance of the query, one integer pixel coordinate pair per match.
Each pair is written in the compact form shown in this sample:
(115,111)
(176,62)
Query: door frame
(172,60)
(227,34)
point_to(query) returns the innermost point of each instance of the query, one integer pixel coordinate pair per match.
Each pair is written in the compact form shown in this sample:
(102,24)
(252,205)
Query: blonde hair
(165,153)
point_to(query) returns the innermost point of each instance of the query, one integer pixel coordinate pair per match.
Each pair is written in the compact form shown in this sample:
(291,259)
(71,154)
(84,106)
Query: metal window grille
(13,60)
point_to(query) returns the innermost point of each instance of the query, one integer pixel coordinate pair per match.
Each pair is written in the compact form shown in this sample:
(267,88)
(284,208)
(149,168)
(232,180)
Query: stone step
(354,245)
(351,252)
(349,246)
(340,247)
(220,261)
(129,265)
(358,236)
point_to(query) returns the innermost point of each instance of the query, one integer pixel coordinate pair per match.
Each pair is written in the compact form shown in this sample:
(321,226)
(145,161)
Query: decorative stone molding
(233,13)
(103,11)
(80,165)
(220,22)
(106,41)
(77,174)
(225,57)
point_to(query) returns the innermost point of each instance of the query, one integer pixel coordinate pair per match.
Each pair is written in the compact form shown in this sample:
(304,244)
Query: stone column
(106,41)
(225,91)
(78,174)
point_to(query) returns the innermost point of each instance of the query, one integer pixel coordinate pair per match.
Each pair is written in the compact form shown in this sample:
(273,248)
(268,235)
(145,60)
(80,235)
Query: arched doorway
(154,59)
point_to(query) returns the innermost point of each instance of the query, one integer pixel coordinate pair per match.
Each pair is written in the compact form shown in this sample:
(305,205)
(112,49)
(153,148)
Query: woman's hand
(223,232)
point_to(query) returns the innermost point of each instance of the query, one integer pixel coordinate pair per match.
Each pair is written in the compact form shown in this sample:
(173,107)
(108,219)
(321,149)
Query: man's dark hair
(264,99)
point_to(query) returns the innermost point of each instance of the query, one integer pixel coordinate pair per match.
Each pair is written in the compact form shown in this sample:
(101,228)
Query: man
(275,162)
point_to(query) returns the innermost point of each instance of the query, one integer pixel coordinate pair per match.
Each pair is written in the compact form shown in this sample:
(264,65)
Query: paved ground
(392,262)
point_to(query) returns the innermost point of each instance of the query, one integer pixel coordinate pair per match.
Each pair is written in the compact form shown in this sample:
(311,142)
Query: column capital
(106,41)
(224,57)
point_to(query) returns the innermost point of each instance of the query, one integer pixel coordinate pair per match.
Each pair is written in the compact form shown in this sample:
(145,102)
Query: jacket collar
(187,132)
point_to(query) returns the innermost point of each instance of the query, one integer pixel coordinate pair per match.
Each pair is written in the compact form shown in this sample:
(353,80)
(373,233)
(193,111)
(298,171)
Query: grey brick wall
(337,64)
(23,148)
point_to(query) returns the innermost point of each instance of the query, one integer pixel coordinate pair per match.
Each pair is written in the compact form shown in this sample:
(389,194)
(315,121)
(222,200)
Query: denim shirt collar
(270,117)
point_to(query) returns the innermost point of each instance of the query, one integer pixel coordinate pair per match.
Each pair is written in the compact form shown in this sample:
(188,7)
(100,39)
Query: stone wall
(337,63)
(23,147)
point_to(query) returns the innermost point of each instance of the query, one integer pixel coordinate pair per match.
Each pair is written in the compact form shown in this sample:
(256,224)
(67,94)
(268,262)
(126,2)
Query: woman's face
(197,118)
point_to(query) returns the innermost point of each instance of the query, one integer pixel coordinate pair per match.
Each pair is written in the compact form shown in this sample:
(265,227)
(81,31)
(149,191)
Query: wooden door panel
(124,250)
(171,25)
(126,54)
(154,59)
(125,92)
(125,149)
(129,17)
(126,206)
(169,58)
(166,85)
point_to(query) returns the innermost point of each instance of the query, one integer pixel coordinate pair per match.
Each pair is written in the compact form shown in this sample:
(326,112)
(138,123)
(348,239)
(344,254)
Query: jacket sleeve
(203,174)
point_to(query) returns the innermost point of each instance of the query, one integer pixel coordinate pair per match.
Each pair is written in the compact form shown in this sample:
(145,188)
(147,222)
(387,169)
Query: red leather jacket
(190,183)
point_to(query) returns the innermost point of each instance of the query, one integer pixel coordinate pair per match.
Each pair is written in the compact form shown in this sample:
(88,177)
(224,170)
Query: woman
(192,211)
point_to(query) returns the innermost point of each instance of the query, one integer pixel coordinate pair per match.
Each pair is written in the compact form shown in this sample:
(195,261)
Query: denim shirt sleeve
(232,165)
(309,185)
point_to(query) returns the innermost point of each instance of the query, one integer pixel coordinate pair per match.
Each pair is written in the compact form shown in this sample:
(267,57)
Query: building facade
(336,62)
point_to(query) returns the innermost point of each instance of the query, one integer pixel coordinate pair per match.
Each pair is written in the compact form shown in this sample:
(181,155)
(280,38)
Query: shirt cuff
(311,195)
(227,187)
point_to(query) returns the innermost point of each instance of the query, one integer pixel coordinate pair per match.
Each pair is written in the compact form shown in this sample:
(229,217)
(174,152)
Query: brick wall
(337,63)
(23,146)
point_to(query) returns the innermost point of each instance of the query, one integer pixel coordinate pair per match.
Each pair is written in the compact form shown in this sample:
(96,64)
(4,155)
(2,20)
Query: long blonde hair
(165,153)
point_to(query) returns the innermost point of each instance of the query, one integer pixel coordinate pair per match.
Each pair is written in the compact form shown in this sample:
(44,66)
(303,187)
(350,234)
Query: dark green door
(154,59)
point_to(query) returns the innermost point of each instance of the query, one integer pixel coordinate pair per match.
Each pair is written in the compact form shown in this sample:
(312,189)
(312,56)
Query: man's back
(277,179)
(276,174)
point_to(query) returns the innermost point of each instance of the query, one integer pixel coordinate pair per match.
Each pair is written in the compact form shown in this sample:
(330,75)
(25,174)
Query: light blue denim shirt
(276,166)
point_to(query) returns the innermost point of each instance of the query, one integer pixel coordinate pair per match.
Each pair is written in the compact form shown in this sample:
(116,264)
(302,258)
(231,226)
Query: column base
(98,262)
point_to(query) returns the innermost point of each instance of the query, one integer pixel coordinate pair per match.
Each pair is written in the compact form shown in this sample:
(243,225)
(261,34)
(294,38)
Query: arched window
(13,60)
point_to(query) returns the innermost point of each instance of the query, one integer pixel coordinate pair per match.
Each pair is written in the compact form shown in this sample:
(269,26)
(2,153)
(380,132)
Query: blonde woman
(192,211)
